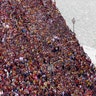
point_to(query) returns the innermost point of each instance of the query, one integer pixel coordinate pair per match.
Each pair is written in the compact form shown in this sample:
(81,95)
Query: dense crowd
(39,54)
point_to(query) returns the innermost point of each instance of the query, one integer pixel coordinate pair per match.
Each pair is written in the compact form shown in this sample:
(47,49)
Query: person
(62,93)
(54,2)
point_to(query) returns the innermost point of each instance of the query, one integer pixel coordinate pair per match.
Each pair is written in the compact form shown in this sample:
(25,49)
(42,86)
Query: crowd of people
(39,54)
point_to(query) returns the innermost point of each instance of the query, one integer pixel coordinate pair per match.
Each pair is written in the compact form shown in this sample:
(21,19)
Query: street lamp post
(73,21)
(55,2)
(50,69)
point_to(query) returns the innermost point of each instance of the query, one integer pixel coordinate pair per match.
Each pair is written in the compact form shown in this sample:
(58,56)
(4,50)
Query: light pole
(73,21)
(55,2)
(50,69)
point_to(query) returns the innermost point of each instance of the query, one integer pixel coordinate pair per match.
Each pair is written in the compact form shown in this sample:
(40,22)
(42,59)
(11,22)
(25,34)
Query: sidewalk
(91,53)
